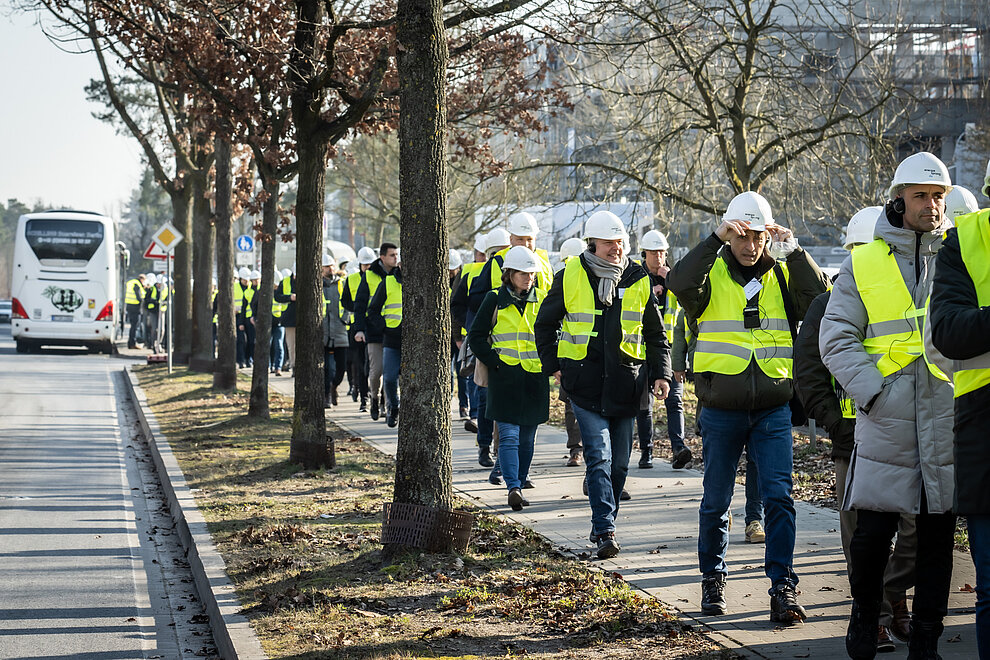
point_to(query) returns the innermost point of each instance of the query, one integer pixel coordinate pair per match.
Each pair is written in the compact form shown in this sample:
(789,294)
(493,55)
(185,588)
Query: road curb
(234,637)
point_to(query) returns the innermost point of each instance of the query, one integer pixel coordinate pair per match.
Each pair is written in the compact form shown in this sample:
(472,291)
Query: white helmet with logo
(454,260)
(750,206)
(959,202)
(919,169)
(859,229)
(480,244)
(523,224)
(606,226)
(572,247)
(244,273)
(653,240)
(520,257)
(328,260)
(496,238)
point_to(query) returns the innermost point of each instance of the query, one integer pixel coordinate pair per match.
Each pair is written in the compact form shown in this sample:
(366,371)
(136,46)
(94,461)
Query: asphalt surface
(89,564)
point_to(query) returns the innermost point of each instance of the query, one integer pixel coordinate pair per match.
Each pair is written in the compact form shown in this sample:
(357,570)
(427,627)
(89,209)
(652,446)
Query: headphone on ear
(897,204)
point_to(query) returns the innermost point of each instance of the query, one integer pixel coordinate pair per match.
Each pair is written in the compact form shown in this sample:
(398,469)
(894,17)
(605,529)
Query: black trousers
(870,549)
(357,355)
(134,318)
(334,367)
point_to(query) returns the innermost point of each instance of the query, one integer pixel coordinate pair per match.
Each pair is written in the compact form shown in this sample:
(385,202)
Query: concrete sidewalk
(658,533)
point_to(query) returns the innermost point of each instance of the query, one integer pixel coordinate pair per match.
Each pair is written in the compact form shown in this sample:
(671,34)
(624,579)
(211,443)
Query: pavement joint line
(232,632)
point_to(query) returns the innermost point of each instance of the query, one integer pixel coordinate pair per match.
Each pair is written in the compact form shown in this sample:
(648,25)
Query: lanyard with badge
(751,312)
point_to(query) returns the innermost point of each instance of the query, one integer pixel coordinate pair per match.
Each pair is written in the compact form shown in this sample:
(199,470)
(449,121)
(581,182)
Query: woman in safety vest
(502,338)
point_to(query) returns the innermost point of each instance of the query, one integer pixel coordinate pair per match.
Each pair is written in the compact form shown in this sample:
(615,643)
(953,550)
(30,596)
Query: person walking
(744,305)
(243,294)
(286,295)
(828,404)
(334,331)
(460,316)
(133,297)
(357,352)
(569,249)
(278,330)
(458,383)
(871,342)
(960,330)
(518,392)
(387,305)
(611,346)
(370,328)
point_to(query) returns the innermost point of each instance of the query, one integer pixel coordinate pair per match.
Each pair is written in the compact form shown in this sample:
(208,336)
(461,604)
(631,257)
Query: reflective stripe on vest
(893,339)
(544,278)
(392,309)
(579,320)
(513,337)
(130,297)
(213,298)
(846,403)
(973,231)
(725,345)
(670,315)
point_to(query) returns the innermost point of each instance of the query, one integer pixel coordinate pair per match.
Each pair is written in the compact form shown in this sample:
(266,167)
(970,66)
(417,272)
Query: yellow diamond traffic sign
(167,237)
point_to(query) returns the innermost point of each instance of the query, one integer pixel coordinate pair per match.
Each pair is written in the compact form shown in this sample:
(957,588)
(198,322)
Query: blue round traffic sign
(244,243)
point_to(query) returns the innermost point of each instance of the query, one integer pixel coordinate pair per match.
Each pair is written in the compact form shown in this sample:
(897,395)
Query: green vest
(579,320)
(130,296)
(973,231)
(893,338)
(513,337)
(392,309)
(725,345)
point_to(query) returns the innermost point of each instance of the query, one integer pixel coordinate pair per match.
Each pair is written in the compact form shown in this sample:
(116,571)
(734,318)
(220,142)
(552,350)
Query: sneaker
(624,495)
(485,457)
(885,643)
(861,634)
(608,547)
(471,426)
(575,458)
(784,607)
(364,404)
(755,533)
(375,410)
(646,460)
(713,595)
(681,458)
(516,499)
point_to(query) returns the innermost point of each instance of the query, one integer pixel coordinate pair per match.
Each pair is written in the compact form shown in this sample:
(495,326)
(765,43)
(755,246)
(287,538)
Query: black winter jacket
(373,326)
(961,330)
(688,279)
(289,313)
(604,382)
(814,382)
(390,337)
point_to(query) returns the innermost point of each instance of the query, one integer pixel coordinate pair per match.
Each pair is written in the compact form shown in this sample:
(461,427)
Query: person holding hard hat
(960,330)
(611,346)
(518,392)
(370,328)
(872,342)
(744,305)
(357,353)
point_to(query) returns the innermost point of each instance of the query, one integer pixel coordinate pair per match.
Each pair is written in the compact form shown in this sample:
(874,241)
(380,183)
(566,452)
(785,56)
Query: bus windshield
(64,239)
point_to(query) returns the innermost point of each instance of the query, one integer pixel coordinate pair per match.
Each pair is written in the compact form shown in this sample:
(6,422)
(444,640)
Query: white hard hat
(286,273)
(572,247)
(151,277)
(959,202)
(366,256)
(860,228)
(523,224)
(255,274)
(520,257)
(244,273)
(986,182)
(278,276)
(214,281)
(919,169)
(606,226)
(454,260)
(497,237)
(653,240)
(750,206)
(162,279)
(328,260)
(480,245)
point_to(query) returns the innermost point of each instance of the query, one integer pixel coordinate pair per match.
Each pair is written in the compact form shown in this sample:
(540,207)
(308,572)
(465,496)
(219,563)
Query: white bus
(64,281)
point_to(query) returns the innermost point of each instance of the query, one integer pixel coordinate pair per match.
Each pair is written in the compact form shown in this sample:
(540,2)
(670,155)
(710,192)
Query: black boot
(364,404)
(485,457)
(861,635)
(646,459)
(923,644)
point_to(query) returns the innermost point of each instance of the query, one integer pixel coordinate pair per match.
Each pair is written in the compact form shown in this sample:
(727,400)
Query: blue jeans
(484,424)
(607,446)
(391,360)
(675,416)
(515,452)
(766,434)
(462,395)
(472,392)
(979,548)
(754,502)
(278,335)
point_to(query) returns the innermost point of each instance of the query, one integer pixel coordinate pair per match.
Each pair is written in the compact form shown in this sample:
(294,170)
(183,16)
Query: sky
(52,149)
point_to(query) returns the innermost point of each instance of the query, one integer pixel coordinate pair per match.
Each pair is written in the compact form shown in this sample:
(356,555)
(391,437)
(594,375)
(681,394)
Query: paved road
(83,544)
(658,531)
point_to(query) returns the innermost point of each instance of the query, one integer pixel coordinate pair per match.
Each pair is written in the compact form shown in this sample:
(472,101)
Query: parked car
(5,312)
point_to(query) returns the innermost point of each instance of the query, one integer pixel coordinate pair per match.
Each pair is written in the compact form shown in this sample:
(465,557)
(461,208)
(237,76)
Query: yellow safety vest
(374,280)
(725,345)
(513,337)
(579,320)
(353,280)
(278,308)
(973,231)
(893,339)
(544,278)
(213,298)
(670,315)
(130,298)
(471,271)
(392,309)
(248,297)
(238,297)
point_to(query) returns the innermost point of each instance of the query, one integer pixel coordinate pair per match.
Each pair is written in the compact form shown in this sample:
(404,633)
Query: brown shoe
(575,457)
(900,625)
(885,644)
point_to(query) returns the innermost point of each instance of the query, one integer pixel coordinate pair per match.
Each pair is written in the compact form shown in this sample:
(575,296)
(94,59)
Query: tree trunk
(258,406)
(423,470)
(204,245)
(224,371)
(182,274)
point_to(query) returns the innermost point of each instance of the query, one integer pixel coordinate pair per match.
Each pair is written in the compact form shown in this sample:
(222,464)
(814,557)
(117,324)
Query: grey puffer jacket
(904,423)
(334,327)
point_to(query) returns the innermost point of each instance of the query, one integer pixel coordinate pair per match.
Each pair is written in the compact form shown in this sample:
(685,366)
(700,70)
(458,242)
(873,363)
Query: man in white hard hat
(386,304)
(154,312)
(745,306)
(278,331)
(370,328)
(459,315)
(828,404)
(286,295)
(871,342)
(133,297)
(357,352)
(611,346)
(523,230)
(243,295)
(570,249)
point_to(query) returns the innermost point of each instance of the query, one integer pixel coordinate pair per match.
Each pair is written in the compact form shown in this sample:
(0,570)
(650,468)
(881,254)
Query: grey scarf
(608,275)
